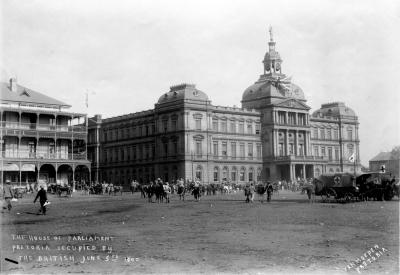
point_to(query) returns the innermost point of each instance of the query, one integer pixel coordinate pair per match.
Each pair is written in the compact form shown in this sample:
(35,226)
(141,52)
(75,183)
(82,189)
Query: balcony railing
(42,127)
(23,154)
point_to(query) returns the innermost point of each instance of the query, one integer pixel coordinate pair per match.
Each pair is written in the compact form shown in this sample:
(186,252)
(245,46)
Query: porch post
(73,178)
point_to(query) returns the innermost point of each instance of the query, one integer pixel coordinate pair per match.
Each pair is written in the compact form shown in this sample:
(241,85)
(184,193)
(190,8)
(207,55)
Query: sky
(126,54)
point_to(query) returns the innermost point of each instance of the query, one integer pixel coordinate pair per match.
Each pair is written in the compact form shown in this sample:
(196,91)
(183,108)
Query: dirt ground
(219,234)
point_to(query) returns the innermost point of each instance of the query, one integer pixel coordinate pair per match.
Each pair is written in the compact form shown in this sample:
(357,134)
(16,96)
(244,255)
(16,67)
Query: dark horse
(196,193)
(66,189)
(181,192)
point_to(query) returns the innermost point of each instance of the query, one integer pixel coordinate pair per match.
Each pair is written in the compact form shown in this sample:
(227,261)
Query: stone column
(296,140)
(304,171)
(287,142)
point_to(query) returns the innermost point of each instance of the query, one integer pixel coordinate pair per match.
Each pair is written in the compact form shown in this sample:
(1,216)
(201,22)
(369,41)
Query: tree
(395,154)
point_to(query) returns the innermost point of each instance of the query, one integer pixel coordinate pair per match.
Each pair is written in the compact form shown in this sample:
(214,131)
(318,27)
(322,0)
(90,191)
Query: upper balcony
(35,129)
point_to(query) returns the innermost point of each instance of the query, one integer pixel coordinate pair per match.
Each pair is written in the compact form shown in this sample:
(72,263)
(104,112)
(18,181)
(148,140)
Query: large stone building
(273,136)
(40,140)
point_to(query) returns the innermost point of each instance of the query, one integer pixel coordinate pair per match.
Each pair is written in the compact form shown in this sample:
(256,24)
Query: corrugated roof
(26,95)
(382,156)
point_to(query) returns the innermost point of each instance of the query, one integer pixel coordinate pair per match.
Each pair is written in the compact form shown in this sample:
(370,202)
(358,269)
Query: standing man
(269,191)
(8,194)
(42,199)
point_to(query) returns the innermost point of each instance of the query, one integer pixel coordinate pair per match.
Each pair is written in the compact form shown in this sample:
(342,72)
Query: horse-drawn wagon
(338,186)
(377,186)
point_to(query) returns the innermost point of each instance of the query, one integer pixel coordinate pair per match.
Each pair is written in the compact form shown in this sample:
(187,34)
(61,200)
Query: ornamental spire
(271,36)
(272,60)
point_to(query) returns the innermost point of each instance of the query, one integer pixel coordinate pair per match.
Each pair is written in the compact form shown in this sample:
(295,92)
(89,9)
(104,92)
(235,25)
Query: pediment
(293,103)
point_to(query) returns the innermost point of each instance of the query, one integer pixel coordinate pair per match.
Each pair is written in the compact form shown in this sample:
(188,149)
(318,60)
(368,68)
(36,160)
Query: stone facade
(272,137)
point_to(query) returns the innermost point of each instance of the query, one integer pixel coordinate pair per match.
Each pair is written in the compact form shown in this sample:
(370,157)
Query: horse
(248,192)
(310,190)
(118,188)
(66,189)
(159,192)
(196,192)
(181,192)
(261,190)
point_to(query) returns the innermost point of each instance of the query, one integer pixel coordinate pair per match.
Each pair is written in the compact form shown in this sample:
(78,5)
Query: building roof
(272,86)
(183,92)
(334,109)
(382,156)
(27,96)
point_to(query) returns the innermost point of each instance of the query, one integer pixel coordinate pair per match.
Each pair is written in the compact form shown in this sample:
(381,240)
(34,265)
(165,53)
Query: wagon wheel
(348,197)
(328,195)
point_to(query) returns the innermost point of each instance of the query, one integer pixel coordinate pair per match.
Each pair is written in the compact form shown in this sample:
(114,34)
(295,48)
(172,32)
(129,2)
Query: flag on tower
(352,158)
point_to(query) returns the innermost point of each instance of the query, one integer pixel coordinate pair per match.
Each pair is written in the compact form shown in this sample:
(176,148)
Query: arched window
(234,174)
(331,171)
(259,174)
(242,174)
(225,173)
(199,173)
(216,173)
(251,174)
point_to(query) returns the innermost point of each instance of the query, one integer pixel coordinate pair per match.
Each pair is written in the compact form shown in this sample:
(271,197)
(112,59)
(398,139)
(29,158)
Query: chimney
(13,84)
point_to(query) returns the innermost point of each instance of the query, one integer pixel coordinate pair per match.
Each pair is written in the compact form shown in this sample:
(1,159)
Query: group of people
(9,195)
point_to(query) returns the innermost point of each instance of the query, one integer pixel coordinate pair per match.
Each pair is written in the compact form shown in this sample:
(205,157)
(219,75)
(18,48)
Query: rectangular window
(241,128)
(259,151)
(301,149)
(241,150)
(199,150)
(250,176)
(280,149)
(215,125)
(330,153)
(258,128)
(233,127)
(322,133)
(316,151)
(323,151)
(215,149)
(250,150)
(175,147)
(174,125)
(233,176)
(233,150)
(291,148)
(336,134)
(198,124)
(315,133)
(250,128)
(241,175)
(329,134)
(336,153)
(165,126)
(215,175)
(153,151)
(134,152)
(350,134)
(224,127)
(224,150)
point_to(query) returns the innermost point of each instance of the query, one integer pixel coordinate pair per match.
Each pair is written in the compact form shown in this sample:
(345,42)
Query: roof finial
(271,36)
